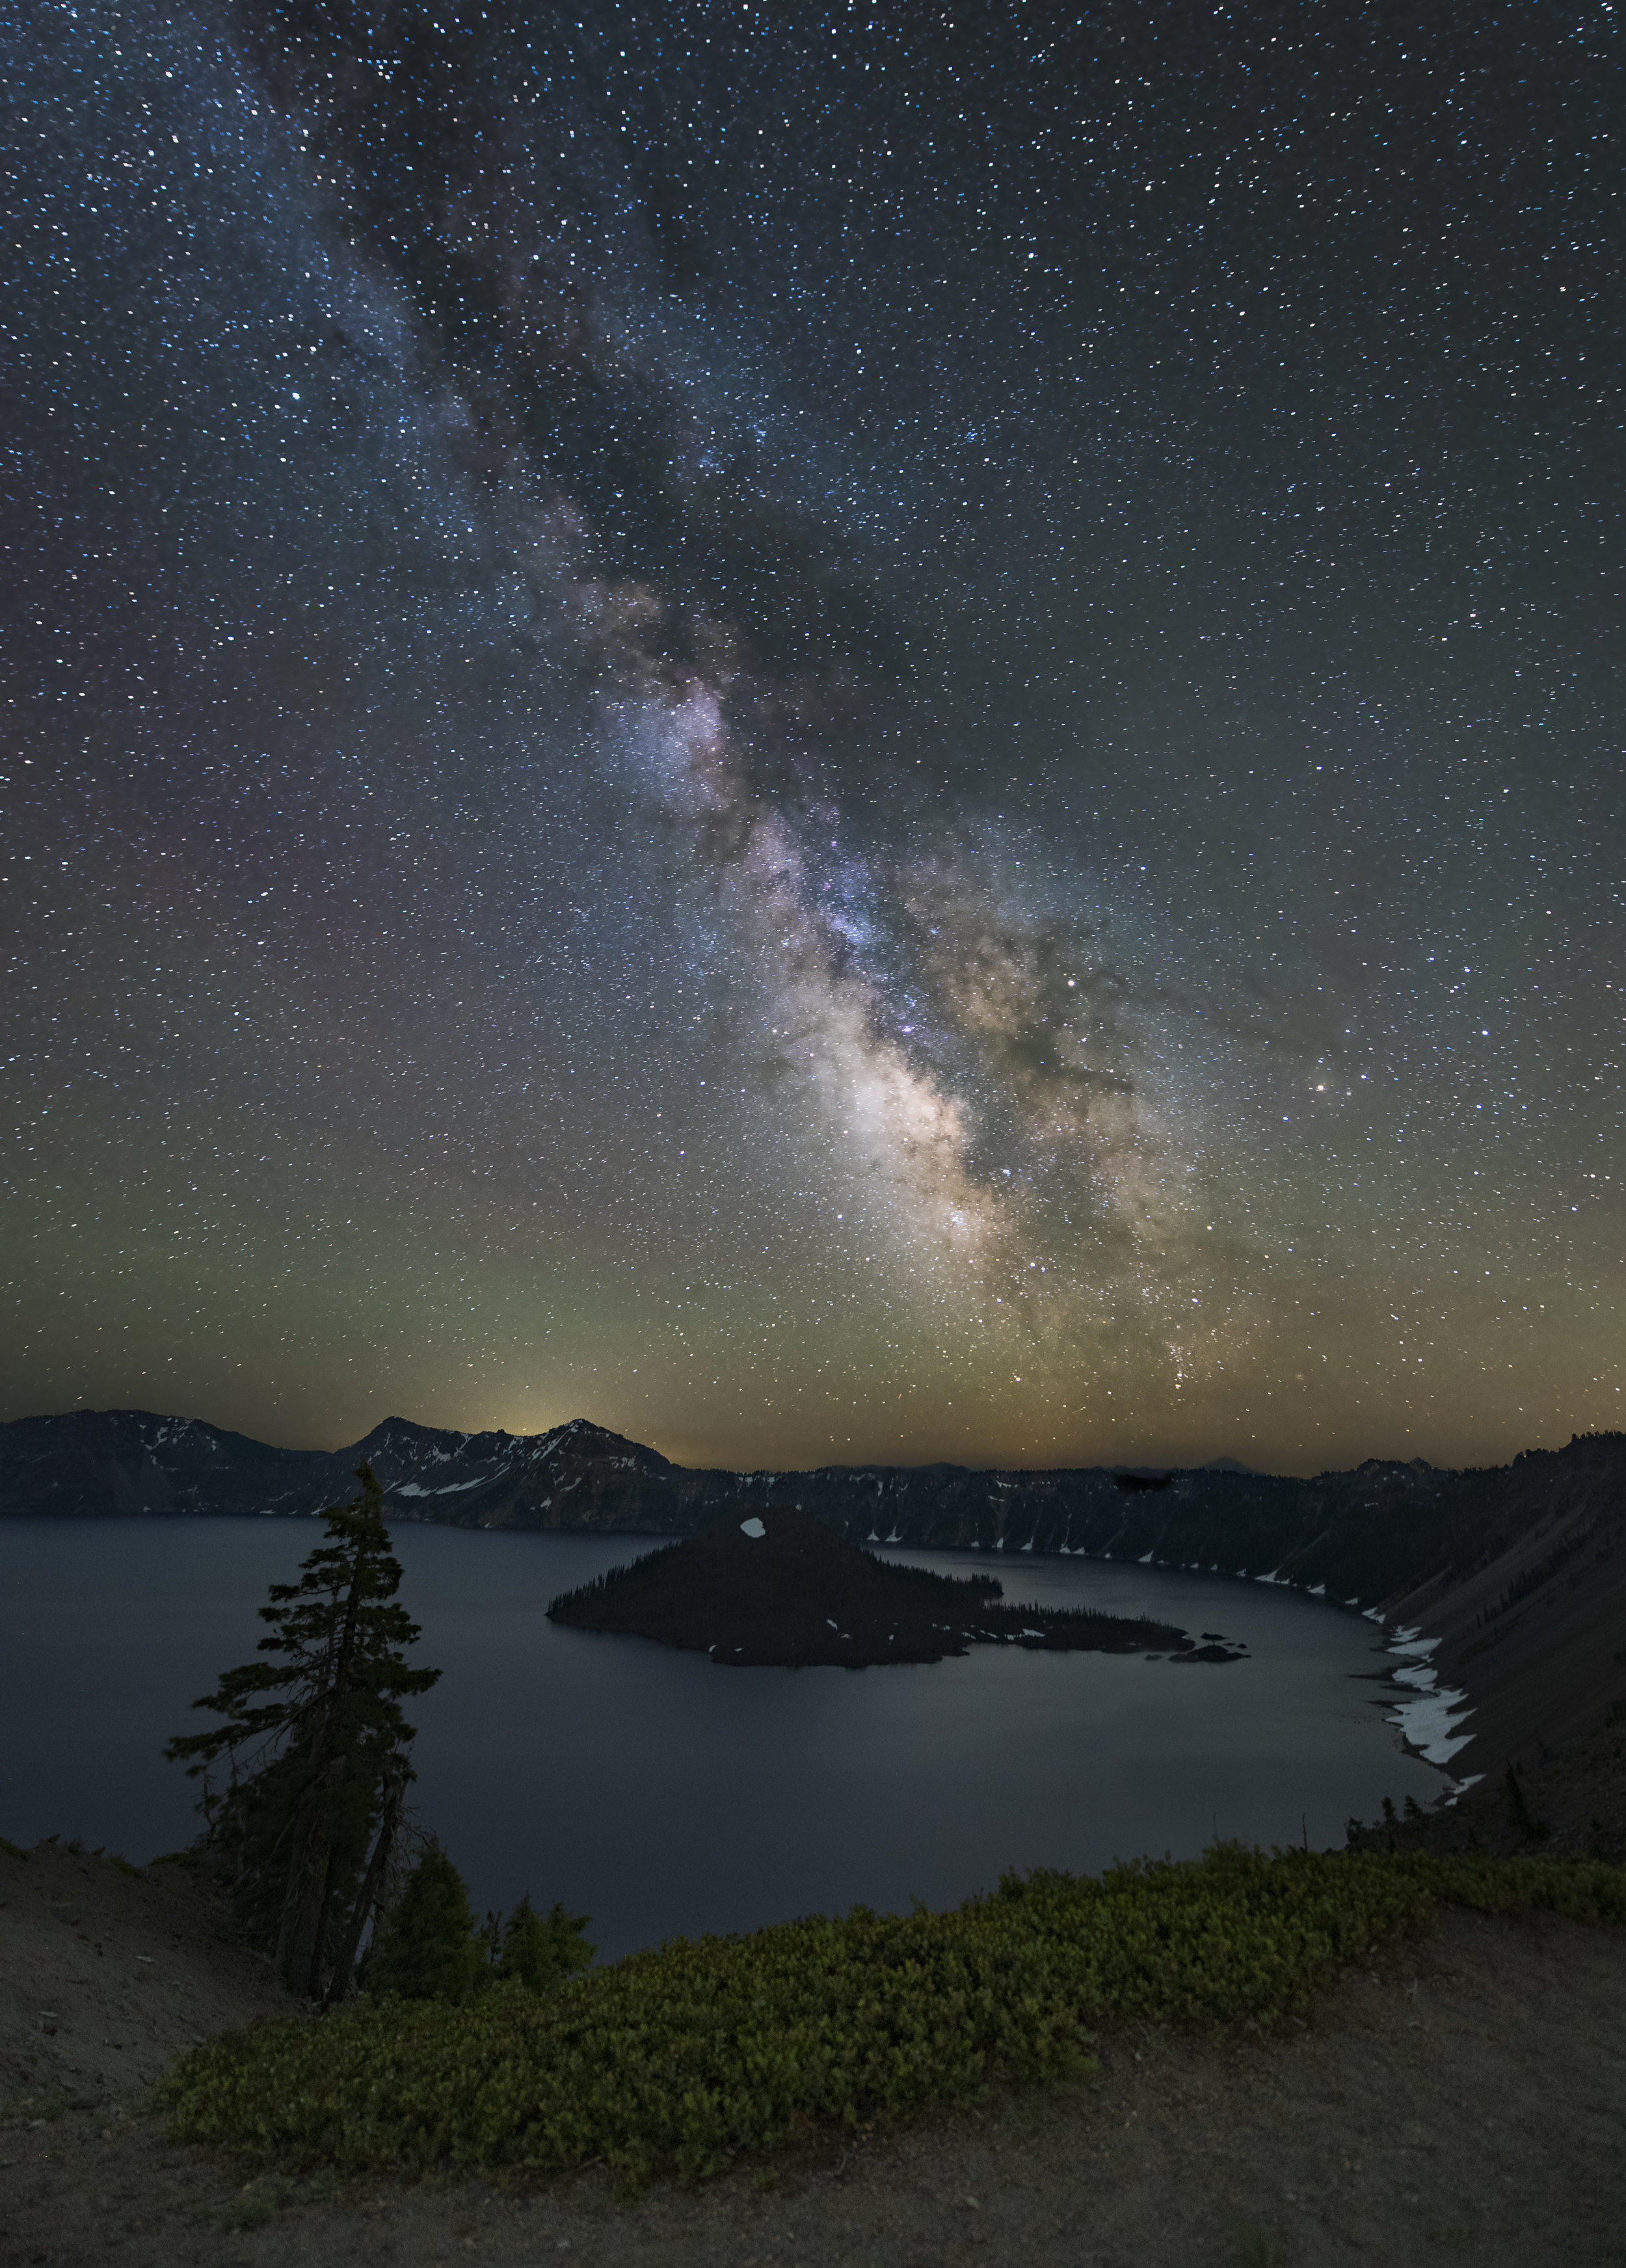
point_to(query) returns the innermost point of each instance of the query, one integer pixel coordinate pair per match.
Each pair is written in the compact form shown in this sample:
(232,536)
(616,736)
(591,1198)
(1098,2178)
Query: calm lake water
(664,1796)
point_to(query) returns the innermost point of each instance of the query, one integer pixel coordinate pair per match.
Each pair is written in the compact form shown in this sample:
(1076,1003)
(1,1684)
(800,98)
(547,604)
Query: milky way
(877,734)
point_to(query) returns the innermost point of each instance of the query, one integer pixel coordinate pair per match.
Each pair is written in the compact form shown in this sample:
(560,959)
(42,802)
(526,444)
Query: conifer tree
(318,1750)
(541,1950)
(427,1947)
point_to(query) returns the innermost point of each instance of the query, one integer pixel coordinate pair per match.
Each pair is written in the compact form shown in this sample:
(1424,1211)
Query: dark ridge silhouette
(782,1588)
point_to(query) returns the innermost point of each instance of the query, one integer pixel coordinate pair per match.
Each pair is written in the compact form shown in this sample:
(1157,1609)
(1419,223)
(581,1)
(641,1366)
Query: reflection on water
(663,1795)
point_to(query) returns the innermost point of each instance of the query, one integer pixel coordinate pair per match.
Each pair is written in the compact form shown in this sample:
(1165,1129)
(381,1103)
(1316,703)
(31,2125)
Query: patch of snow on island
(753,1528)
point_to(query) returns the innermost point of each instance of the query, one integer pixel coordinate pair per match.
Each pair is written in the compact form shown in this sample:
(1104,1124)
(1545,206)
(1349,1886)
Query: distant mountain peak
(583,1436)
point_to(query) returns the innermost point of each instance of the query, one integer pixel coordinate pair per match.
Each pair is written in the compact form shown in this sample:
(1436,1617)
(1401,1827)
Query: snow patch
(755,1529)
(1428,1724)
(1421,1675)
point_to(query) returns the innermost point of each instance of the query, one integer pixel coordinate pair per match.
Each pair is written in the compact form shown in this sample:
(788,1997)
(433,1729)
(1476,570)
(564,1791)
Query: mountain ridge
(1516,1571)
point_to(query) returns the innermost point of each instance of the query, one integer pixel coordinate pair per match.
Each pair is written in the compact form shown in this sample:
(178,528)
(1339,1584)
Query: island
(782,1589)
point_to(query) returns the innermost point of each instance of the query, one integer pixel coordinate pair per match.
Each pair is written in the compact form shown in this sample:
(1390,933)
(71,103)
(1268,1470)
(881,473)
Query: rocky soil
(1457,2100)
(1572,1801)
(107,1973)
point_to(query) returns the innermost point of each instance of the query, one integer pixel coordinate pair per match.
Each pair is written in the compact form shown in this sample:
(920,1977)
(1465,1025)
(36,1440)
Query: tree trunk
(299,1937)
(372,1884)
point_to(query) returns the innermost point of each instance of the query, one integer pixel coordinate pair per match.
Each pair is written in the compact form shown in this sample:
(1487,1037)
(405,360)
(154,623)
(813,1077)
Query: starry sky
(885,733)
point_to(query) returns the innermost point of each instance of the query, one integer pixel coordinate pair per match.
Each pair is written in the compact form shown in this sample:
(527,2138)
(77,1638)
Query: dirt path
(1461,2101)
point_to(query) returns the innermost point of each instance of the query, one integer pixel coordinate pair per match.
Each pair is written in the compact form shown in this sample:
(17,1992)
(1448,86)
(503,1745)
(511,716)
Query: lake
(662,1795)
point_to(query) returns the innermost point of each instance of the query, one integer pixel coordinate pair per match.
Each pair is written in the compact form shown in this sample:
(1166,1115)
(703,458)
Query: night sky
(884,733)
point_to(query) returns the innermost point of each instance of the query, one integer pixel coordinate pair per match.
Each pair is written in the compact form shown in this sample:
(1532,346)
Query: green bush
(680,2059)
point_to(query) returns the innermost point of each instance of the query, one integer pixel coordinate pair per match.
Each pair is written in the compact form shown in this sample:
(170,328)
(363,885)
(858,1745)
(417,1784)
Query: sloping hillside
(1457,2099)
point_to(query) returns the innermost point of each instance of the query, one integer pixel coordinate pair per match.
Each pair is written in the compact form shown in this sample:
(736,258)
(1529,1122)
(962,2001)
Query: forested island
(781,1588)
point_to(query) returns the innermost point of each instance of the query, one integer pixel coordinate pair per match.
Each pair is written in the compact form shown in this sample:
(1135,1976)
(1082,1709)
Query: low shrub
(680,2059)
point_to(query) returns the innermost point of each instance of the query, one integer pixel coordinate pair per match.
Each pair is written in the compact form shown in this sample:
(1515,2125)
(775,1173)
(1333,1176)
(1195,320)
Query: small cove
(662,1795)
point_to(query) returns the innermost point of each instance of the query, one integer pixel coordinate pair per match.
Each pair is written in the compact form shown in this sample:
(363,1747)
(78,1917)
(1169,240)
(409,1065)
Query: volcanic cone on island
(779,1587)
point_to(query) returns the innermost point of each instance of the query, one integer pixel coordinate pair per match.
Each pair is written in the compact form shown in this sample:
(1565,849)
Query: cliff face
(1518,1571)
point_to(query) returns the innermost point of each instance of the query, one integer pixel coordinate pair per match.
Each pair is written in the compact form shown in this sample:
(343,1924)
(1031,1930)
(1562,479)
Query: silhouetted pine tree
(427,1947)
(319,1751)
(541,1950)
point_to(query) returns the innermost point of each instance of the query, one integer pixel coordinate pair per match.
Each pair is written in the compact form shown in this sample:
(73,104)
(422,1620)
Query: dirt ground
(1460,2101)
